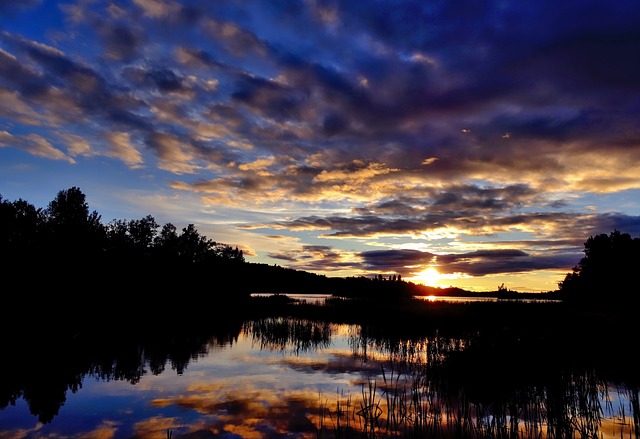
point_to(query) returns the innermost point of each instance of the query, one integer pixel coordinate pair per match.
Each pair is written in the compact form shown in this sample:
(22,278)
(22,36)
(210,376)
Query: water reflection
(296,336)
(313,299)
(320,299)
(307,379)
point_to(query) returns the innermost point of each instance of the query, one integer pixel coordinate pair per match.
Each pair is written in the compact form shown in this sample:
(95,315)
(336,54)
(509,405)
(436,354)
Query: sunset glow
(429,277)
(339,138)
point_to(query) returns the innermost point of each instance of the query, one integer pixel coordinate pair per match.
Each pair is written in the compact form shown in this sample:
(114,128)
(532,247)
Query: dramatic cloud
(477,263)
(353,127)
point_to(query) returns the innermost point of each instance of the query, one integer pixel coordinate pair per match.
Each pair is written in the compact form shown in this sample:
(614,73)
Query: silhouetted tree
(166,243)
(143,233)
(132,239)
(20,230)
(607,271)
(226,253)
(74,234)
(193,247)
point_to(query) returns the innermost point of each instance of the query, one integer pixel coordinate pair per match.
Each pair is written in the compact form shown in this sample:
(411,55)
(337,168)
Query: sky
(455,143)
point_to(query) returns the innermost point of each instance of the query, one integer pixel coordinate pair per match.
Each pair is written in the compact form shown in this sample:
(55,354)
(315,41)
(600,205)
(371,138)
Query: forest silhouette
(66,247)
(68,244)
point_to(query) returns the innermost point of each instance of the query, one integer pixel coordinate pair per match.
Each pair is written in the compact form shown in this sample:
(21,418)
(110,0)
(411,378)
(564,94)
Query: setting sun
(429,276)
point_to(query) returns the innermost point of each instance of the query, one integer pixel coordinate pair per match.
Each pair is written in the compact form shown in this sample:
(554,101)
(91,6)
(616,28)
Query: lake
(285,377)
(319,299)
(316,299)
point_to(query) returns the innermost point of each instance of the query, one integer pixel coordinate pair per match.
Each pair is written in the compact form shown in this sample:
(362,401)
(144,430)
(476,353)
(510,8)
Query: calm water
(316,299)
(319,299)
(278,377)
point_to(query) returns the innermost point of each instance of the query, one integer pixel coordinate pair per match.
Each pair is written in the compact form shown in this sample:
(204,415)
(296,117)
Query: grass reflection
(291,335)
(463,386)
(451,387)
(417,405)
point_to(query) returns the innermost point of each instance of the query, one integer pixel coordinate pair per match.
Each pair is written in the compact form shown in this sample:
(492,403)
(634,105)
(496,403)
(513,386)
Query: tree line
(66,228)
(67,244)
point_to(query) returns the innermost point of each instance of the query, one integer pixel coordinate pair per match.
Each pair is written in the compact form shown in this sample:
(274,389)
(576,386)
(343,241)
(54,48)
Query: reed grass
(503,379)
(412,404)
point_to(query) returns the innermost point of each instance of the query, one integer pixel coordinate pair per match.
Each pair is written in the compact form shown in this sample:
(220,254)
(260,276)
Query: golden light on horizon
(429,276)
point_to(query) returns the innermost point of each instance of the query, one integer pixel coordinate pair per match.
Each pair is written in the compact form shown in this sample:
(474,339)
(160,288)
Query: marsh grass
(477,371)
(411,404)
